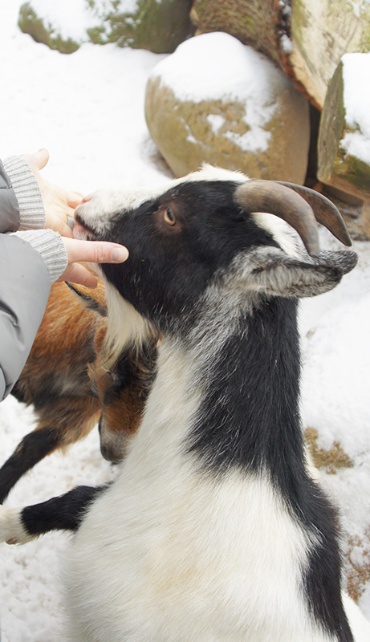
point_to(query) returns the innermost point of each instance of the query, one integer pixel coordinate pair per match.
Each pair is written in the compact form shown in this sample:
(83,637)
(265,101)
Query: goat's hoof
(11,529)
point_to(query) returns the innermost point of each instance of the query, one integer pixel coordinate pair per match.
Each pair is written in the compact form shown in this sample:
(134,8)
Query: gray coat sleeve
(9,210)
(24,291)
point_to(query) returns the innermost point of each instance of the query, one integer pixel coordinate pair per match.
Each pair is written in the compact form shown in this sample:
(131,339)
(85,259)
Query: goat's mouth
(82,232)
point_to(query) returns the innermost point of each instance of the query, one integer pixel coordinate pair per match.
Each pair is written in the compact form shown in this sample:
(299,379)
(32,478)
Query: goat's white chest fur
(170,555)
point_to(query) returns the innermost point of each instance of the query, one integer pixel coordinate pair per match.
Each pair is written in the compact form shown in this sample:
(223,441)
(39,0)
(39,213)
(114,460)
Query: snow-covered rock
(215,100)
(156,25)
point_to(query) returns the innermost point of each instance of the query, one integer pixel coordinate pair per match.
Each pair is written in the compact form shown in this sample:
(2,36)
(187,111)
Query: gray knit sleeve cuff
(27,191)
(50,245)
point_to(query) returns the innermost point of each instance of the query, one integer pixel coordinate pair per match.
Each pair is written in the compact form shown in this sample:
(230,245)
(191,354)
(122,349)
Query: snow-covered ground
(87,109)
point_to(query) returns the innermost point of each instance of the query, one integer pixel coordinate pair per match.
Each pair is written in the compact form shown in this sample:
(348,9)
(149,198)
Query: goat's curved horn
(274,198)
(325,211)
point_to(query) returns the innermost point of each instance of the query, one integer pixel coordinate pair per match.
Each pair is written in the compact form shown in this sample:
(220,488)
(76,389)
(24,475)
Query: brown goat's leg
(33,447)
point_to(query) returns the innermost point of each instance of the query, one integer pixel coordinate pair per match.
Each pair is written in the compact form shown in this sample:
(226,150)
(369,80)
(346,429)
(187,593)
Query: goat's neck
(241,383)
(249,413)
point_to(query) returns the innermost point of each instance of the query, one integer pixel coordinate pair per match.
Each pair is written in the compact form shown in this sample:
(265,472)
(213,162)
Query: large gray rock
(215,100)
(156,25)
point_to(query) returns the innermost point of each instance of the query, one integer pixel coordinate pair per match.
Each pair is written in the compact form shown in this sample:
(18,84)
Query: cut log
(307,38)
(263,24)
(344,136)
(321,32)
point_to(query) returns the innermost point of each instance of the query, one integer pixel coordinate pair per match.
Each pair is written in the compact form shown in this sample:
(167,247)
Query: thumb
(77,273)
(41,158)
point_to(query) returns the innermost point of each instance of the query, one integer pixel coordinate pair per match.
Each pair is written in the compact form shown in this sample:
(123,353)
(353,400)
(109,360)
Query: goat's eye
(169,216)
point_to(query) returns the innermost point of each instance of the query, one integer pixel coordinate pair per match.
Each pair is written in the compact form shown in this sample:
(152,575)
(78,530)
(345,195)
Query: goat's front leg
(66,512)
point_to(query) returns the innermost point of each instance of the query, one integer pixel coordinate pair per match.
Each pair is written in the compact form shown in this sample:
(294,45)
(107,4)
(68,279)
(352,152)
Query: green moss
(157,26)
(353,170)
(98,35)
(29,22)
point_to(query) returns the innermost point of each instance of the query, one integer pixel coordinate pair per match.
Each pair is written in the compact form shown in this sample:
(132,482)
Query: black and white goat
(214,531)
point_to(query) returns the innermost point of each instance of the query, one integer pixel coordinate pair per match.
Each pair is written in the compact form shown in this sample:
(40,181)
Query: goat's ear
(91,299)
(272,271)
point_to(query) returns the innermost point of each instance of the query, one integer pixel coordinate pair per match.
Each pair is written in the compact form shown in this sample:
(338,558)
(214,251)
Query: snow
(87,109)
(359,7)
(286,44)
(103,7)
(335,385)
(356,99)
(216,121)
(69,18)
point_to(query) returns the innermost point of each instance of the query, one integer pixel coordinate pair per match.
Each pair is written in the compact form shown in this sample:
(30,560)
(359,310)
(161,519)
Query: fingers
(77,273)
(73,199)
(64,229)
(108,252)
(59,203)
(94,251)
(40,158)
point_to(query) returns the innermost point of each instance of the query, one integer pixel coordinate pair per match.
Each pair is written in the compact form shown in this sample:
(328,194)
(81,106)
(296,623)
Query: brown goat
(66,381)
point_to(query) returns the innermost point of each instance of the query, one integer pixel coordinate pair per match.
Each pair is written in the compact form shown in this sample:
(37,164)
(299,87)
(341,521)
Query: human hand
(91,252)
(59,203)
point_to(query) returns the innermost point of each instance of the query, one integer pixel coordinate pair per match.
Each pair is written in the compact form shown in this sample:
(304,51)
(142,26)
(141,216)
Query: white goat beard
(126,327)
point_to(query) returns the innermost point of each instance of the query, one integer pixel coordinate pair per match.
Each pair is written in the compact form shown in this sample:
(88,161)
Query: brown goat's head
(122,386)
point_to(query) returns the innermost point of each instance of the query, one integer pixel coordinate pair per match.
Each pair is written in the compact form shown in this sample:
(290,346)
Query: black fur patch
(168,271)
(65,512)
